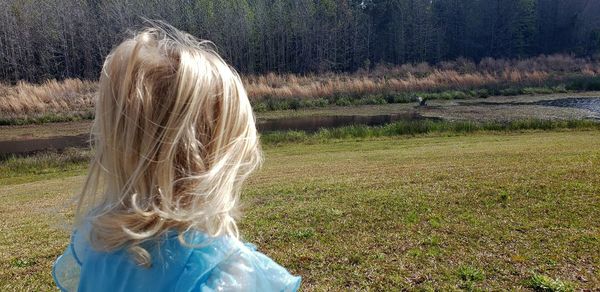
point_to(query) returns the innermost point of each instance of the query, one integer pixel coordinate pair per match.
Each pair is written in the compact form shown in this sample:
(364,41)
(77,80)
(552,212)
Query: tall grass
(70,97)
(419,127)
(15,169)
(461,74)
(73,99)
(307,87)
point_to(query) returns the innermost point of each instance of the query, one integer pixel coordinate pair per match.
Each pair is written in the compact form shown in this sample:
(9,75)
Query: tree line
(69,38)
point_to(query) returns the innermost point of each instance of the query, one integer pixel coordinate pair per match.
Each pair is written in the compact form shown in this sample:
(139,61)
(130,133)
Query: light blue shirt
(209,264)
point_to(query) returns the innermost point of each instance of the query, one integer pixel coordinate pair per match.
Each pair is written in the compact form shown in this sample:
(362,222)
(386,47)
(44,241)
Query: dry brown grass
(294,86)
(51,97)
(73,96)
(456,75)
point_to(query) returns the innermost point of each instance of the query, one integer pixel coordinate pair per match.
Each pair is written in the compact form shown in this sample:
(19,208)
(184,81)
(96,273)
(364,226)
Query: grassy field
(489,211)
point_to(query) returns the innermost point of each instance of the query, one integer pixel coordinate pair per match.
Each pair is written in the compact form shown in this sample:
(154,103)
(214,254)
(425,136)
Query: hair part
(174,138)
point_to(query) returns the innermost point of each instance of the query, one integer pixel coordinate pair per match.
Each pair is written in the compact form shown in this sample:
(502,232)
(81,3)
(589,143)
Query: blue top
(209,264)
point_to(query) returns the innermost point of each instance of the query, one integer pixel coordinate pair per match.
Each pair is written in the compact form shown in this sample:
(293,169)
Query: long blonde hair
(174,138)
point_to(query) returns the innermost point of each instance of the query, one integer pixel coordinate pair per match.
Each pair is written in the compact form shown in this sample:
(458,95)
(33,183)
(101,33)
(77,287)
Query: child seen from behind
(174,139)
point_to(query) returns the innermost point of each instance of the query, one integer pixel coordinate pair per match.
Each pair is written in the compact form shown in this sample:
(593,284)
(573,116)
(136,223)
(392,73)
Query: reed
(74,99)
(66,97)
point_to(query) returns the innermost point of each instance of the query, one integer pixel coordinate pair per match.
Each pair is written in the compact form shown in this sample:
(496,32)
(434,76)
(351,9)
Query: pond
(306,123)
(590,103)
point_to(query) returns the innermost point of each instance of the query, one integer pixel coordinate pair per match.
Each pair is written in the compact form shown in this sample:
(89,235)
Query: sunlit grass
(544,283)
(482,211)
(16,169)
(421,127)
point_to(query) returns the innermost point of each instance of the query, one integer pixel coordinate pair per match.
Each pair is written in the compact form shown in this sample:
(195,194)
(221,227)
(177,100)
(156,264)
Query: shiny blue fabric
(209,264)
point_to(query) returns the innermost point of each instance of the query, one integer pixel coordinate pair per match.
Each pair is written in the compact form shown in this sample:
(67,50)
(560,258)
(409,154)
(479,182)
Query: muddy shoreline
(35,145)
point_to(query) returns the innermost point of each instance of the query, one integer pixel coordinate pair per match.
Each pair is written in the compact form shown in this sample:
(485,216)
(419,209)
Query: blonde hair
(174,138)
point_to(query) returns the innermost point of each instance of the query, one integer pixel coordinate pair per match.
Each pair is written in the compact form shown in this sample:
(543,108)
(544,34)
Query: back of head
(175,137)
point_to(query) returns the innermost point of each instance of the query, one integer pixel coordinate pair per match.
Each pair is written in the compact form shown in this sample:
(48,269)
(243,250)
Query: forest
(61,39)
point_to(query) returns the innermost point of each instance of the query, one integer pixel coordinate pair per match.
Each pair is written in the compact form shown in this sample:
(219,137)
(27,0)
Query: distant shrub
(559,88)
(318,102)
(482,93)
(593,85)
(294,104)
(537,90)
(510,91)
(372,99)
(277,104)
(343,101)
(260,107)
(581,84)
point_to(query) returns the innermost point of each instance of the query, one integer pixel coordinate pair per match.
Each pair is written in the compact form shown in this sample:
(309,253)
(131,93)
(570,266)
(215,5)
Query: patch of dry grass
(306,87)
(70,96)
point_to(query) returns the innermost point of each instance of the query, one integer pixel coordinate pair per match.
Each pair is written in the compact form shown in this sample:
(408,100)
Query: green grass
(41,166)
(470,276)
(46,118)
(546,284)
(474,212)
(420,127)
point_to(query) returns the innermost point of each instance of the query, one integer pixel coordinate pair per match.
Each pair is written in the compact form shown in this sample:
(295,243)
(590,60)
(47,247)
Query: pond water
(588,103)
(591,103)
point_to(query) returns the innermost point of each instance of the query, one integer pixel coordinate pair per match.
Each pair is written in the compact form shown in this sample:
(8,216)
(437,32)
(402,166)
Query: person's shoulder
(227,264)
